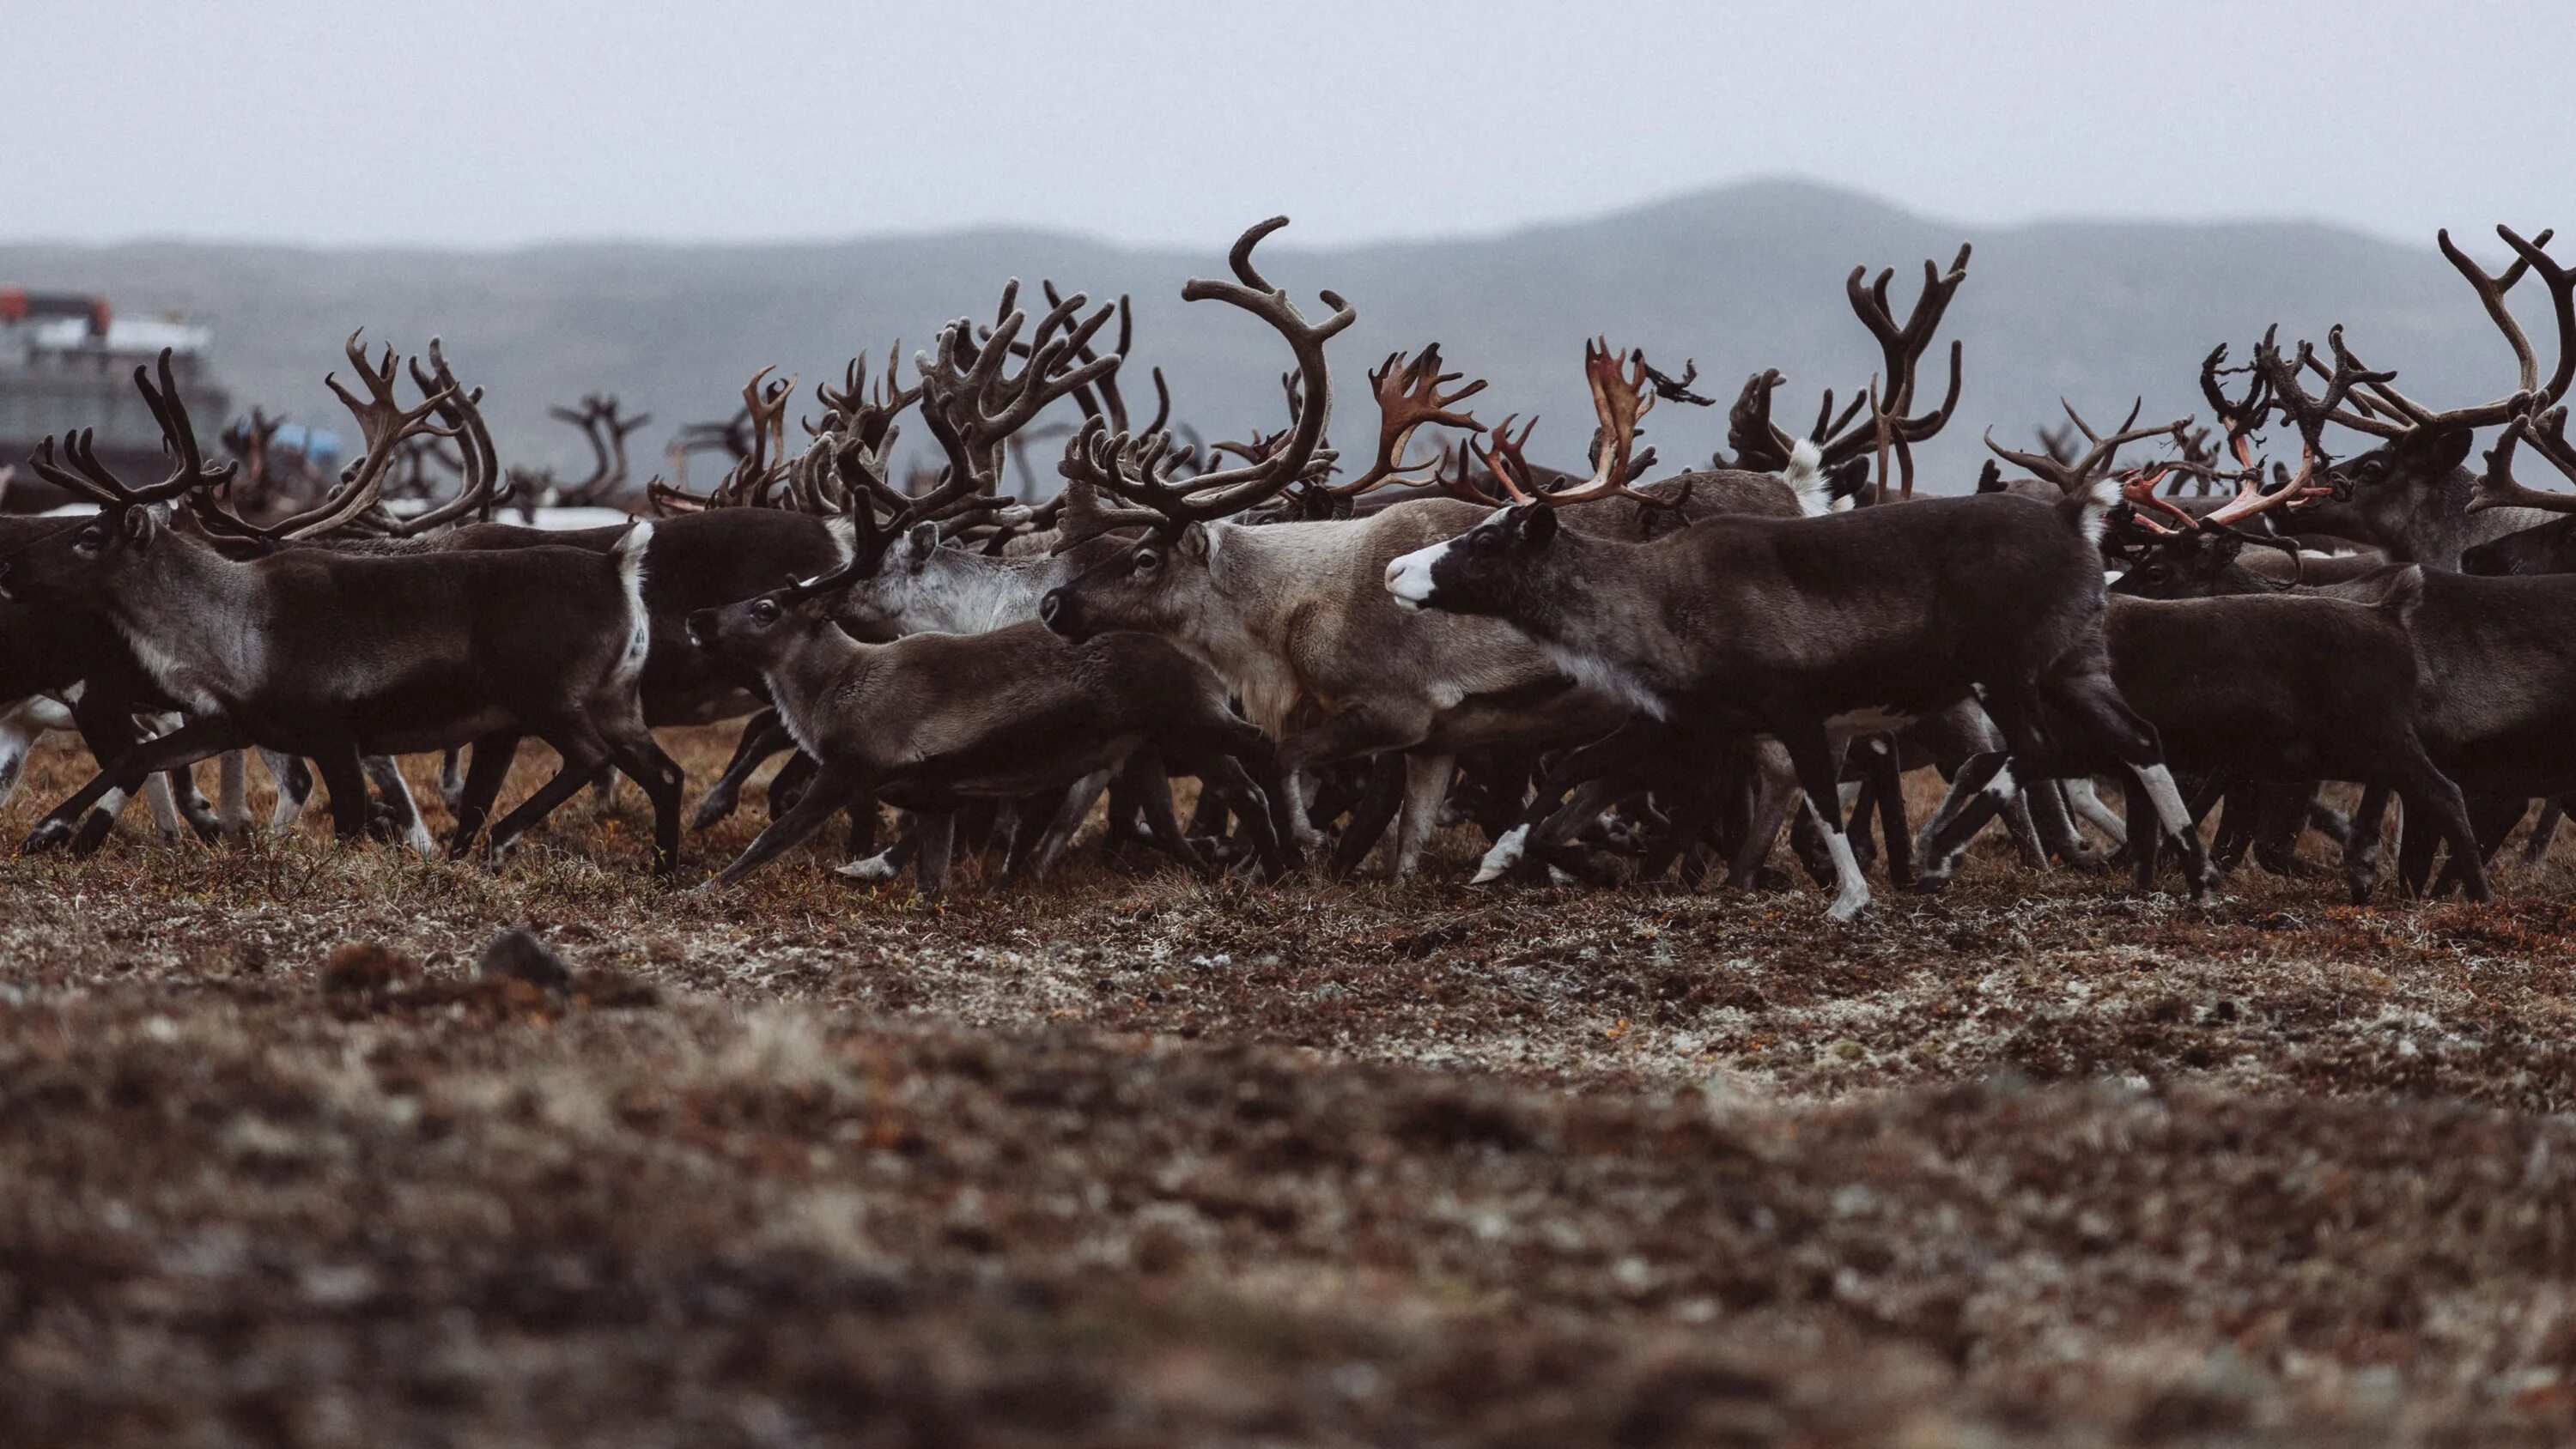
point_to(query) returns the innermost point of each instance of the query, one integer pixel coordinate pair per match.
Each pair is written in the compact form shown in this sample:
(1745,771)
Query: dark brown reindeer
(1737,626)
(330,655)
(2497,669)
(2413,495)
(2275,689)
(2549,548)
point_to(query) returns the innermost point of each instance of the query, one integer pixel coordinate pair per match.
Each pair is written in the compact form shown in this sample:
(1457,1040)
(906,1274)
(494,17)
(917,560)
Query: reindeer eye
(765,611)
(1147,560)
(89,540)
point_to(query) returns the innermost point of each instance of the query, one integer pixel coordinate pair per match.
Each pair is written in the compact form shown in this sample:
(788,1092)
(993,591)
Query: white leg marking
(290,806)
(2169,807)
(2176,819)
(1301,795)
(389,781)
(1505,854)
(2002,788)
(879,866)
(17,737)
(232,792)
(1852,888)
(165,811)
(2087,804)
(1426,781)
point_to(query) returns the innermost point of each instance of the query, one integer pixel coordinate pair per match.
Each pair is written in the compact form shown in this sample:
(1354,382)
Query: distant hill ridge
(1740,278)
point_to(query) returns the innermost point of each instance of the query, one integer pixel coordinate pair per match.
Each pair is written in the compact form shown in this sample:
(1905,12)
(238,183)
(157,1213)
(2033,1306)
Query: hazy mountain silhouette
(1739,278)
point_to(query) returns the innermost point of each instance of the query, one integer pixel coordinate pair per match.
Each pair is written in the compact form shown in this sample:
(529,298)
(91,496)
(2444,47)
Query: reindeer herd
(1587,667)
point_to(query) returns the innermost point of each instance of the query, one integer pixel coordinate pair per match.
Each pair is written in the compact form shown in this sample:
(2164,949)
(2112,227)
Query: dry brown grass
(1133,1160)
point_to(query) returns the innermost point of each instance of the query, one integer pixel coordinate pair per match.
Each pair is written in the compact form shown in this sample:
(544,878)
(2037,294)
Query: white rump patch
(1805,476)
(2099,499)
(630,576)
(845,540)
(1409,577)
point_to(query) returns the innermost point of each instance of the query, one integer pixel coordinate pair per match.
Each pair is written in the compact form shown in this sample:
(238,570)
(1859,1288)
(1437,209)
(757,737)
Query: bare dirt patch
(1134,1160)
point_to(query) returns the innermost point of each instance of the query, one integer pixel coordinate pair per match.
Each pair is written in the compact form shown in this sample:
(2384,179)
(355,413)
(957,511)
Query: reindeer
(932,720)
(331,656)
(2268,687)
(2413,496)
(1291,615)
(1788,628)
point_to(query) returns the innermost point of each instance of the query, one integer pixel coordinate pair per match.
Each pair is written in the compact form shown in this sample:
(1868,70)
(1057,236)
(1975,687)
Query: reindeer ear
(2227,546)
(923,538)
(2437,455)
(138,524)
(1532,525)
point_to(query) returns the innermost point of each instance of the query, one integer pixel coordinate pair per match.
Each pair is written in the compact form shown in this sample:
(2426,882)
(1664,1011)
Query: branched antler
(1218,494)
(1409,398)
(89,478)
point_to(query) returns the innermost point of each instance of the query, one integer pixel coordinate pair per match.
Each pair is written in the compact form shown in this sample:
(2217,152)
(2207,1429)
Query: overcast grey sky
(479,123)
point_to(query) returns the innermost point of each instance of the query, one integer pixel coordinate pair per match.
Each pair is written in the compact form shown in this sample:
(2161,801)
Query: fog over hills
(1740,278)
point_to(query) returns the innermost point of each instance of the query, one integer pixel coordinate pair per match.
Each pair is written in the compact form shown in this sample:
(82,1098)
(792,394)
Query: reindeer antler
(1222,493)
(89,478)
(1408,398)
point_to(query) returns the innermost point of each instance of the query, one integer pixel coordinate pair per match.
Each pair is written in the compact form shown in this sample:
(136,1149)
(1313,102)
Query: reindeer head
(1170,576)
(764,631)
(84,563)
(1508,566)
(2412,493)
(914,566)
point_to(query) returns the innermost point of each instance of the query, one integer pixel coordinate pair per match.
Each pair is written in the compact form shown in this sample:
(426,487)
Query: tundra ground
(1129,1159)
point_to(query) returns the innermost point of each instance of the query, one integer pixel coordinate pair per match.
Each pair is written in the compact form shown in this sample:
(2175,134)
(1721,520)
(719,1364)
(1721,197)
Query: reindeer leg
(1426,785)
(232,794)
(1058,833)
(403,812)
(1813,756)
(632,748)
(484,775)
(935,839)
(185,745)
(831,785)
(1378,806)
(2361,864)
(294,781)
(346,781)
(1887,773)
(451,780)
(790,779)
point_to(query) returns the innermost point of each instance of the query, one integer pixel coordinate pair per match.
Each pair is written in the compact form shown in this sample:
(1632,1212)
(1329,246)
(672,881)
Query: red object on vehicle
(17,304)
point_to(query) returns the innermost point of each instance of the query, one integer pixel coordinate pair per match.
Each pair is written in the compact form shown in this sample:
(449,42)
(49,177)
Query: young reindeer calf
(933,720)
